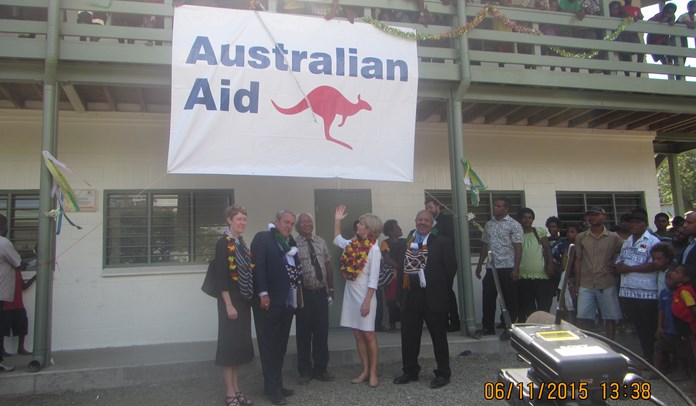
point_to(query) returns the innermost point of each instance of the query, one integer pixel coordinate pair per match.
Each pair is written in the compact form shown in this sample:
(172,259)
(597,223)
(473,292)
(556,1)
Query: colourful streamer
(472,182)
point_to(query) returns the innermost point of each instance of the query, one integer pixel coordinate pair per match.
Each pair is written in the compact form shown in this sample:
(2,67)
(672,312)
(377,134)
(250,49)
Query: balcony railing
(490,56)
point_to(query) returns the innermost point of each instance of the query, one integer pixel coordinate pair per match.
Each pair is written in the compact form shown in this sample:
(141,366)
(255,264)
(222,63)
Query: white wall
(129,151)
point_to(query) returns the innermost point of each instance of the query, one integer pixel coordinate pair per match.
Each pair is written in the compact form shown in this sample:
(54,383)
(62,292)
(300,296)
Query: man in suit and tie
(277,281)
(443,224)
(429,266)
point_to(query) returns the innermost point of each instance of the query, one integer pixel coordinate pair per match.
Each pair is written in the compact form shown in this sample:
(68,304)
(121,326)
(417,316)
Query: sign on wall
(256,93)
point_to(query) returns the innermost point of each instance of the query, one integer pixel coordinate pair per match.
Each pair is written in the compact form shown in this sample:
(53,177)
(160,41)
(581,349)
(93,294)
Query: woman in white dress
(360,264)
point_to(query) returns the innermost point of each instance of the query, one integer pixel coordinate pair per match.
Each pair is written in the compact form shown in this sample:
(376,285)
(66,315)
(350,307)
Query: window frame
(614,211)
(11,213)
(149,267)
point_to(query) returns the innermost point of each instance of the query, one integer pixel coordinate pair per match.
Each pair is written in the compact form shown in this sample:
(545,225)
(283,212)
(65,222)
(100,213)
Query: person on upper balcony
(615,10)
(632,11)
(688,20)
(665,16)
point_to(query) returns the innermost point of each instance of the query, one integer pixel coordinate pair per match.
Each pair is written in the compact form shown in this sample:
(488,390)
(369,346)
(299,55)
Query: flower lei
(354,257)
(232,258)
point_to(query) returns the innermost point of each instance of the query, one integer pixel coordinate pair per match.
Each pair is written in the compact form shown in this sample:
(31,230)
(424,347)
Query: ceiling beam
(589,116)
(681,126)
(566,116)
(544,114)
(608,118)
(427,108)
(649,120)
(500,112)
(7,93)
(110,98)
(141,100)
(73,97)
(477,111)
(675,119)
(524,114)
(633,117)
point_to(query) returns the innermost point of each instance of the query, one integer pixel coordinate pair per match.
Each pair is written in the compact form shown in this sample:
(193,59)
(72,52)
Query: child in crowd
(684,308)
(662,256)
(668,344)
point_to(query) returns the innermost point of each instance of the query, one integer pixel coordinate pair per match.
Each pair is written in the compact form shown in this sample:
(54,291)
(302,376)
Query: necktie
(315,261)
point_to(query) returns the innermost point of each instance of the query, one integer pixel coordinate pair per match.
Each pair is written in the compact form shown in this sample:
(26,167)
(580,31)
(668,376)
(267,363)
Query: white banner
(243,83)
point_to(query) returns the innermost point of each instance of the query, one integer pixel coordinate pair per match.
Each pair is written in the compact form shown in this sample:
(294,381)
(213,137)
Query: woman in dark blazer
(234,346)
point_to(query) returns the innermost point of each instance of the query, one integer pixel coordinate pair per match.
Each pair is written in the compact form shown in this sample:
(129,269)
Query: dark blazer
(270,274)
(445,226)
(439,273)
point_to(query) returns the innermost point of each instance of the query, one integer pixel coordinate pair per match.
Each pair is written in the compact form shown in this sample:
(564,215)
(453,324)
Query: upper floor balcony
(115,55)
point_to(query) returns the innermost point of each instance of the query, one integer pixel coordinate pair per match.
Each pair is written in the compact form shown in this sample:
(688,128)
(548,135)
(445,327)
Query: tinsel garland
(493,11)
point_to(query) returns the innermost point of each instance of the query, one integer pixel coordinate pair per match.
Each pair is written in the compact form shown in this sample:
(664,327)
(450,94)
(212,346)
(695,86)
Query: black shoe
(505,335)
(454,327)
(324,376)
(487,332)
(304,379)
(278,399)
(439,382)
(287,392)
(405,378)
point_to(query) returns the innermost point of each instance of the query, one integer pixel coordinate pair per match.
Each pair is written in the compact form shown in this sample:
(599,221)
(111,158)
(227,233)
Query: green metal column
(675,181)
(46,243)
(461,232)
(456,148)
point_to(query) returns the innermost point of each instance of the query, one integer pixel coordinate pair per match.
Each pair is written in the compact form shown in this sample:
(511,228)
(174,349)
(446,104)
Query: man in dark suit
(429,267)
(443,224)
(277,280)
(689,229)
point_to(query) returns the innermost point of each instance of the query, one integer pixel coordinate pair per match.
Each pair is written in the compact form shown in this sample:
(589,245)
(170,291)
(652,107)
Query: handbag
(208,286)
(387,273)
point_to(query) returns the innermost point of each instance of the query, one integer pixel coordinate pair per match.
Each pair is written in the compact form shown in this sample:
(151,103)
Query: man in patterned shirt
(638,290)
(313,319)
(503,237)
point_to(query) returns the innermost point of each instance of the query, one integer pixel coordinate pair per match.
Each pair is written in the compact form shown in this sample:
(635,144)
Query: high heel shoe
(231,401)
(374,384)
(243,400)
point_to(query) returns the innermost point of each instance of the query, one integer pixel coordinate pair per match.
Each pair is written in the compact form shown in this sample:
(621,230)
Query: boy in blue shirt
(669,344)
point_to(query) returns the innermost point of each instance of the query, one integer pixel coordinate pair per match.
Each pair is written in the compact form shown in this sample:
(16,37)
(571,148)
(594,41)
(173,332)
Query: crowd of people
(631,274)
(293,277)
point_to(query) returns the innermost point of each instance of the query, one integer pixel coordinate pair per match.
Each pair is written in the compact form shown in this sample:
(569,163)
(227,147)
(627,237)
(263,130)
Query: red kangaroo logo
(327,103)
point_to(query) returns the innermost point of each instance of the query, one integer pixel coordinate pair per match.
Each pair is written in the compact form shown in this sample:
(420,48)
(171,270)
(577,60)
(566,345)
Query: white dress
(355,291)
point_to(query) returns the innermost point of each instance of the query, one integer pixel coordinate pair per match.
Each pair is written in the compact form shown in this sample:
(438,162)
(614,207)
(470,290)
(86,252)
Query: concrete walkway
(80,370)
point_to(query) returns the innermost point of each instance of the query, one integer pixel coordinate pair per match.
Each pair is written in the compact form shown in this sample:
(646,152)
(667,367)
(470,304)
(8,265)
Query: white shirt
(638,285)
(9,260)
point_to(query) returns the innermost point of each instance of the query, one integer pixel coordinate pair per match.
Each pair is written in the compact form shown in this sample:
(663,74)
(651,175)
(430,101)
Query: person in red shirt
(17,314)
(684,307)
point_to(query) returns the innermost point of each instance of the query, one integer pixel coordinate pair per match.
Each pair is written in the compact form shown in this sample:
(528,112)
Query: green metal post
(46,243)
(461,234)
(465,285)
(675,181)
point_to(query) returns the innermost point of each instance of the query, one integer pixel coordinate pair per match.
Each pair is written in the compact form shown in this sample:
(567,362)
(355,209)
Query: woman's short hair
(525,210)
(233,210)
(389,226)
(372,223)
(553,220)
